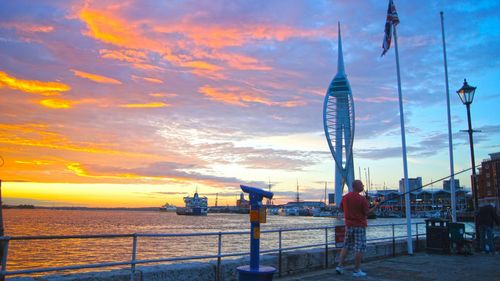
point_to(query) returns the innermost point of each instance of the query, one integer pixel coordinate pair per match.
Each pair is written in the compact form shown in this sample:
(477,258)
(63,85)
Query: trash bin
(438,240)
(459,244)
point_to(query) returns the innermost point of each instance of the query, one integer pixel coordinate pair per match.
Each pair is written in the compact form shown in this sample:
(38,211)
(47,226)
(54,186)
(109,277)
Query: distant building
(447,185)
(304,204)
(242,202)
(488,181)
(422,199)
(413,183)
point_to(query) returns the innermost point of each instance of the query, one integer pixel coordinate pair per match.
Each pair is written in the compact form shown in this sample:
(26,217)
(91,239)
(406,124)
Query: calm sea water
(51,253)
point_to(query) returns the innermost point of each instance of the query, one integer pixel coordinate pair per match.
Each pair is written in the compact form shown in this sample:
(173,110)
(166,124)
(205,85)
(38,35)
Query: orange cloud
(219,36)
(147,79)
(224,97)
(95,77)
(107,27)
(163,95)
(77,169)
(201,65)
(30,28)
(56,103)
(294,103)
(145,105)
(240,97)
(243,62)
(62,103)
(194,45)
(38,135)
(110,28)
(32,86)
(145,66)
(127,55)
(33,162)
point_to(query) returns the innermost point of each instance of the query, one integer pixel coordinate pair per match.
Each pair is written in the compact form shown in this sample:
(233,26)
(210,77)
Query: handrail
(5,240)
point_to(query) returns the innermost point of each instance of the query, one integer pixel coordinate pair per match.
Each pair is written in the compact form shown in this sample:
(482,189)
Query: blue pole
(254,235)
(254,271)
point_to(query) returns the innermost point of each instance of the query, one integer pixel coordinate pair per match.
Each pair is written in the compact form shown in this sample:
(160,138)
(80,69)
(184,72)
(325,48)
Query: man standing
(486,218)
(356,210)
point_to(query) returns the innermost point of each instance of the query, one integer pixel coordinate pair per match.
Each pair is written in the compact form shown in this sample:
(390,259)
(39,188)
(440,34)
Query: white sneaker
(339,269)
(359,273)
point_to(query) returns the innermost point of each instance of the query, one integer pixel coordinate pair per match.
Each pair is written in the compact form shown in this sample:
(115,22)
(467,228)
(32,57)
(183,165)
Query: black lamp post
(466,94)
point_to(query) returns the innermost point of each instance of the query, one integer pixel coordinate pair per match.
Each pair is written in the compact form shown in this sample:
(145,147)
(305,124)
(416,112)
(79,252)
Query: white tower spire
(338,122)
(340,61)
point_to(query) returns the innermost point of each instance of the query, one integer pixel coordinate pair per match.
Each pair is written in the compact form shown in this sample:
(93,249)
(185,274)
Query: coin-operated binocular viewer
(254,271)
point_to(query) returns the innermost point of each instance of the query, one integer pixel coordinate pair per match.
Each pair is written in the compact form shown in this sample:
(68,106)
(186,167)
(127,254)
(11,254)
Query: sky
(135,103)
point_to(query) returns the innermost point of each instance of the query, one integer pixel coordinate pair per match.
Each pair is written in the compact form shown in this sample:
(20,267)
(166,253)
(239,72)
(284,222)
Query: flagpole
(450,141)
(403,141)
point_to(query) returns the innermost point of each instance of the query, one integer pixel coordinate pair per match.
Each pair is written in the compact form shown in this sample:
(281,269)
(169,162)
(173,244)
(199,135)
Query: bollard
(254,271)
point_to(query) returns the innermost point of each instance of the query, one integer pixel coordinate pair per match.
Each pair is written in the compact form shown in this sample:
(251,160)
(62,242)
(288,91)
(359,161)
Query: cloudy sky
(135,103)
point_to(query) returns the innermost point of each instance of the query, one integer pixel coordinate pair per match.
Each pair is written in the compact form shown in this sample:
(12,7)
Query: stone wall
(293,262)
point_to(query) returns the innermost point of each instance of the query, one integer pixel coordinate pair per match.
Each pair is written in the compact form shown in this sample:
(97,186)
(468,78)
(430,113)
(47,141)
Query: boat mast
(269,201)
(298,191)
(325,192)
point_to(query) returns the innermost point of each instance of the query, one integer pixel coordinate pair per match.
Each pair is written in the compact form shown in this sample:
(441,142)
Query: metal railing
(5,240)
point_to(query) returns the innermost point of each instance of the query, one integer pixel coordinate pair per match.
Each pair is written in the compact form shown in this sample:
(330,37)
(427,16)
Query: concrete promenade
(421,267)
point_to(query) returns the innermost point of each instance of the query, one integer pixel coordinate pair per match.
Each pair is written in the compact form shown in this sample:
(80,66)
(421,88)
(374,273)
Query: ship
(195,206)
(168,208)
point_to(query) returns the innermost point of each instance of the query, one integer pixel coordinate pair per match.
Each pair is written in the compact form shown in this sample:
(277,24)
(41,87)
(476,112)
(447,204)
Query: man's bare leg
(343,255)
(358,257)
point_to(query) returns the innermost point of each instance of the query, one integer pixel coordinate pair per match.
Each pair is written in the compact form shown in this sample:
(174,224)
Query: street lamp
(466,94)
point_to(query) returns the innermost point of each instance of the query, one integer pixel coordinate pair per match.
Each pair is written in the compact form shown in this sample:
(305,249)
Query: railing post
(326,246)
(5,246)
(279,252)
(219,252)
(416,231)
(393,242)
(132,262)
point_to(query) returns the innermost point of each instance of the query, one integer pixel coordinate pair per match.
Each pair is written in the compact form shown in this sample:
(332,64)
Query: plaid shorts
(355,238)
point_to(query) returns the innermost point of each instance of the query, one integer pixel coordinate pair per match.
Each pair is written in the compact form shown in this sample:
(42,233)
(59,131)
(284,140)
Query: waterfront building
(447,185)
(413,184)
(338,123)
(242,202)
(305,204)
(301,208)
(488,181)
(422,200)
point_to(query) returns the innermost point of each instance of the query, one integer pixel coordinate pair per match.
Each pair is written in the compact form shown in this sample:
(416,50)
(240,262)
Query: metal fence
(326,244)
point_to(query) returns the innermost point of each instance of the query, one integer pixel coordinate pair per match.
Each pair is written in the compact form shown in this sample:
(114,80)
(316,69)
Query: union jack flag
(391,21)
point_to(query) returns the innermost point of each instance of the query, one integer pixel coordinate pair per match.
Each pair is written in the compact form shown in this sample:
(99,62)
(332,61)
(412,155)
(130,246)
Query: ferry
(168,208)
(195,206)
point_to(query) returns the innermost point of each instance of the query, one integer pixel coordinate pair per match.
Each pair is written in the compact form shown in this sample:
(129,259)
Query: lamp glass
(466,93)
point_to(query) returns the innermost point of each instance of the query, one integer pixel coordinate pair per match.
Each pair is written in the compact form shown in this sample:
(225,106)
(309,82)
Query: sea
(64,252)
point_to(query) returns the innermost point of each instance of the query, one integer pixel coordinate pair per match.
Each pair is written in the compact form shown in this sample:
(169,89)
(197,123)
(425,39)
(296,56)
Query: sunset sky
(135,102)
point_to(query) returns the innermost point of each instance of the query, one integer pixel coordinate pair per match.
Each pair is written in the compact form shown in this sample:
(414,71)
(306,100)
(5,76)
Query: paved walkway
(421,267)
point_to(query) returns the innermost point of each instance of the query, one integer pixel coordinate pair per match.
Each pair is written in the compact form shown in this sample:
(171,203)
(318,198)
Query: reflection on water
(51,253)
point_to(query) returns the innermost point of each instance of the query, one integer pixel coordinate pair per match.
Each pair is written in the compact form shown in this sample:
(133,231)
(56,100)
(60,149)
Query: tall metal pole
(403,141)
(450,141)
(474,185)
